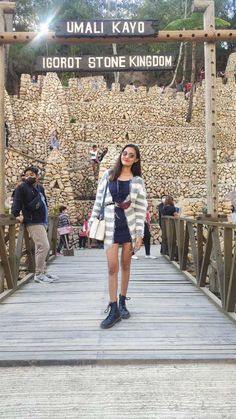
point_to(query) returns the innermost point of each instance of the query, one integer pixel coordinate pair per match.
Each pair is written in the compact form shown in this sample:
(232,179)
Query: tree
(165,12)
(161,10)
(181,48)
(194,22)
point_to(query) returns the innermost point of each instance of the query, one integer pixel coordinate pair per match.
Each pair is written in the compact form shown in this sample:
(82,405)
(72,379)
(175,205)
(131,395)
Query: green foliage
(55,211)
(79,9)
(22,58)
(65,77)
(72,120)
(161,10)
(194,22)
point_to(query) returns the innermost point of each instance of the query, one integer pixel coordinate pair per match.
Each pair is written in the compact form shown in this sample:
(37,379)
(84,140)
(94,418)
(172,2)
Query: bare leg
(113,269)
(125,267)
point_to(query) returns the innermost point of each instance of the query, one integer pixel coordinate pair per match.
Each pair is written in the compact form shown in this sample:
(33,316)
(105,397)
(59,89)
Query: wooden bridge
(172,317)
(174,358)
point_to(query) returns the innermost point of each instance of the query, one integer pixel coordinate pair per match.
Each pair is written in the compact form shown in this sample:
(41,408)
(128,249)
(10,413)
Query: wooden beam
(19,251)
(12,250)
(200,5)
(206,260)
(162,36)
(170,236)
(7,6)
(199,249)
(164,242)
(29,251)
(173,249)
(210,113)
(219,262)
(180,239)
(5,261)
(54,236)
(192,243)
(184,259)
(7,220)
(228,257)
(231,297)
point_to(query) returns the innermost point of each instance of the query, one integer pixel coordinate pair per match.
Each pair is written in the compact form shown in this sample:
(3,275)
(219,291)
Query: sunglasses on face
(129,155)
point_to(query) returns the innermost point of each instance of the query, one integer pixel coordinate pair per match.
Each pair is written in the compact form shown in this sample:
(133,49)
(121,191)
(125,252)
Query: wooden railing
(204,246)
(16,250)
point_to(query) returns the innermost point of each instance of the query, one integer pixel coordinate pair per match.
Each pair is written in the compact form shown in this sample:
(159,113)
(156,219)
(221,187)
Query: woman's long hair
(169,201)
(135,168)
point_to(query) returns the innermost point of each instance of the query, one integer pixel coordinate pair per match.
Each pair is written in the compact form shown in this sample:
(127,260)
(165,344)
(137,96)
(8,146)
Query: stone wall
(16,162)
(57,183)
(86,113)
(230,69)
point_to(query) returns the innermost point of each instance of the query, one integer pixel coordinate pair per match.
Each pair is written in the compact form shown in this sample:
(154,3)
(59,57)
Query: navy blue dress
(119,190)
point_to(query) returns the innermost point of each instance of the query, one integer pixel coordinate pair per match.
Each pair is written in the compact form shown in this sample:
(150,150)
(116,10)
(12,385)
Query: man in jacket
(30,207)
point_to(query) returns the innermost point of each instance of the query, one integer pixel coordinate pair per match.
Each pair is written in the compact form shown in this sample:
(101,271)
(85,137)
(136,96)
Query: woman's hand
(138,243)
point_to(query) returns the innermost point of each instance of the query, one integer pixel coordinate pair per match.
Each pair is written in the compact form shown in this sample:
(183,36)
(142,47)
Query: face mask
(31,180)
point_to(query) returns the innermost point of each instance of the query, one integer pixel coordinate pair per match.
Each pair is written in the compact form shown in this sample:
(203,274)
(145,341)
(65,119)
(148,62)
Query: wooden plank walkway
(171,319)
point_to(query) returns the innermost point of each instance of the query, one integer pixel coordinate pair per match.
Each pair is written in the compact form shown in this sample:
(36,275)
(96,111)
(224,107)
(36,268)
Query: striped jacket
(135,214)
(63,220)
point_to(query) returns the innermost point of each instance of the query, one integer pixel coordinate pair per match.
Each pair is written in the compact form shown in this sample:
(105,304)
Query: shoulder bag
(65,230)
(97,229)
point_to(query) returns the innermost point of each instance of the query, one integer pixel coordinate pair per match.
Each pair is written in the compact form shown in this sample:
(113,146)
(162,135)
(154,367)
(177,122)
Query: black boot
(124,313)
(113,316)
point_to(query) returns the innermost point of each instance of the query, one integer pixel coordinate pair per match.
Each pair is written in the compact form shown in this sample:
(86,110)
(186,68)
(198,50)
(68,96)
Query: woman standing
(125,210)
